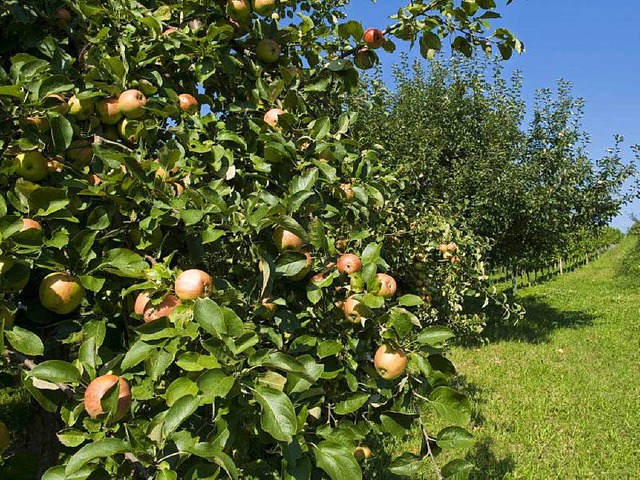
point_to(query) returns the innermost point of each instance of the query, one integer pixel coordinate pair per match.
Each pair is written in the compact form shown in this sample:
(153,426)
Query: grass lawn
(558,395)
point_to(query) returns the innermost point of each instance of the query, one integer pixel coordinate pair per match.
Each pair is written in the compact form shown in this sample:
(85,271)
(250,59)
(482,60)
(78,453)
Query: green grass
(558,395)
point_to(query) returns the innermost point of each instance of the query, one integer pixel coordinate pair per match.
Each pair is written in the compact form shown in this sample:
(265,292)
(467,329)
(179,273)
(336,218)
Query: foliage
(263,378)
(454,133)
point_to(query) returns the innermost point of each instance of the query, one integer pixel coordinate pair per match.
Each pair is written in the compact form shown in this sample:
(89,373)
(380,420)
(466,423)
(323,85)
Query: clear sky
(595,44)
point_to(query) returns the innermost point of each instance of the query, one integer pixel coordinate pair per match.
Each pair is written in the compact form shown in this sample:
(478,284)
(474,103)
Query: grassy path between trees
(558,395)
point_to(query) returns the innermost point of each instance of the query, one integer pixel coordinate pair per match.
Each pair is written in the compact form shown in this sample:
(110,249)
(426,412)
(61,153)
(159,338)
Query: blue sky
(592,43)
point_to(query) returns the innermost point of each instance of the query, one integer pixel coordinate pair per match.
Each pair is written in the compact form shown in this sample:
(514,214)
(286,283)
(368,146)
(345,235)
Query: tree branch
(29,364)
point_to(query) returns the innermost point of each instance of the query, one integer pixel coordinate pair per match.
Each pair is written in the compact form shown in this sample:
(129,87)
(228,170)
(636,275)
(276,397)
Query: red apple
(109,111)
(188,103)
(374,38)
(355,311)
(286,240)
(63,15)
(271,117)
(163,309)
(192,284)
(131,103)
(390,364)
(349,263)
(97,390)
(387,285)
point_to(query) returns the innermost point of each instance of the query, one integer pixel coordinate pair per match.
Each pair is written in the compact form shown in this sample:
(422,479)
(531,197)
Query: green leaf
(107,447)
(435,336)
(58,473)
(396,423)
(371,253)
(407,465)
(180,387)
(454,437)
(457,469)
(430,43)
(11,91)
(138,352)
(124,263)
(24,341)
(72,437)
(61,132)
(216,320)
(410,301)
(214,384)
(351,404)
(56,371)
(182,409)
(450,405)
(278,417)
(337,460)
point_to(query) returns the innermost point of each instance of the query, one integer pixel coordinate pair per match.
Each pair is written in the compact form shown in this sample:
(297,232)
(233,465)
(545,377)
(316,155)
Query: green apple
(61,293)
(32,166)
(131,103)
(263,7)
(268,51)
(239,10)
(81,109)
(365,58)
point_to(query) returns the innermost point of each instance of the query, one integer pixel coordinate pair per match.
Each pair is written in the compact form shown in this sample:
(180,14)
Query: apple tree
(192,267)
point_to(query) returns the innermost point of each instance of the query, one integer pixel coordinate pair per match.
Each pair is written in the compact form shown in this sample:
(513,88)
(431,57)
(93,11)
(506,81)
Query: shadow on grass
(539,322)
(488,466)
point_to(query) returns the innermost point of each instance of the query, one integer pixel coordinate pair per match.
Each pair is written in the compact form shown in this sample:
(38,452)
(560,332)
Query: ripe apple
(239,10)
(32,166)
(163,309)
(141,302)
(58,103)
(355,311)
(63,15)
(373,37)
(5,437)
(271,117)
(7,316)
(286,240)
(263,7)
(268,51)
(349,263)
(362,453)
(131,103)
(192,284)
(81,109)
(28,223)
(97,389)
(387,285)
(452,247)
(80,152)
(390,364)
(41,123)
(108,111)
(188,103)
(307,268)
(365,58)
(455,259)
(61,293)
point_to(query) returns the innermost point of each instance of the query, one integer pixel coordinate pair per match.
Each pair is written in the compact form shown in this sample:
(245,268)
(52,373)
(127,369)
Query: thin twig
(430,453)
(30,364)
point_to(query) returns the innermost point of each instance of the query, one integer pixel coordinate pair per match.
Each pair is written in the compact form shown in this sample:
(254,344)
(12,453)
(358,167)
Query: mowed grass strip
(558,395)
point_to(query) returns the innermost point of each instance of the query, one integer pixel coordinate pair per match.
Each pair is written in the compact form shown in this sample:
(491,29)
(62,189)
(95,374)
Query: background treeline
(459,135)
